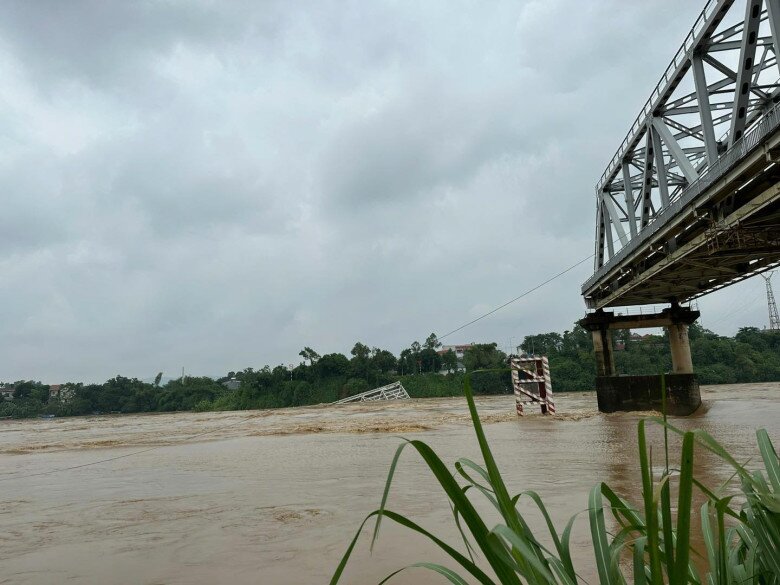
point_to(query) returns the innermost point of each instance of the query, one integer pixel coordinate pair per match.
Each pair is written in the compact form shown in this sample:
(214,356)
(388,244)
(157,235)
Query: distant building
(232,384)
(54,391)
(459,350)
(7,393)
(59,393)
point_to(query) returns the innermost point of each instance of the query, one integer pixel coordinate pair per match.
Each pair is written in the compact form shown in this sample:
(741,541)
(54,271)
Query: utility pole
(774,319)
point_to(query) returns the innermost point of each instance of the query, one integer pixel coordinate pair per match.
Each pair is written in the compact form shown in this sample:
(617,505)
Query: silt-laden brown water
(274,497)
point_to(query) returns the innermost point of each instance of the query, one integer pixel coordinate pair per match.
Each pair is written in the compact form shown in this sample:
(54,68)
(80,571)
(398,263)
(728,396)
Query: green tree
(432,342)
(332,365)
(359,364)
(406,362)
(449,361)
(309,354)
(484,356)
(430,360)
(542,343)
(383,360)
(354,386)
(361,351)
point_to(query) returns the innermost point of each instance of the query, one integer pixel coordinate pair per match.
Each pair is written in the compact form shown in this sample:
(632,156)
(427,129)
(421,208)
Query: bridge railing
(741,148)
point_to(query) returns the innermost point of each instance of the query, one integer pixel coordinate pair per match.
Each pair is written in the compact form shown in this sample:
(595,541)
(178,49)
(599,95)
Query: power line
(738,309)
(529,291)
(236,423)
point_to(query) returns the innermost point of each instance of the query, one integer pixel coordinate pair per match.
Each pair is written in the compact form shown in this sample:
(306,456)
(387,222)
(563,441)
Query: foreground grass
(650,547)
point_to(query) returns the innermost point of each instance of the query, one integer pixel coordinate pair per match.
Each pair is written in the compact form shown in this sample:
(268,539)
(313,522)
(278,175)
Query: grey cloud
(215,185)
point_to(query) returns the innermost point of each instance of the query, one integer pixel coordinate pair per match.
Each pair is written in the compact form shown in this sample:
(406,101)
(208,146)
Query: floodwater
(274,497)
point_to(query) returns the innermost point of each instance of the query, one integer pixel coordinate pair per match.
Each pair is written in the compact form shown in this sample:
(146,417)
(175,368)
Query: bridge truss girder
(722,83)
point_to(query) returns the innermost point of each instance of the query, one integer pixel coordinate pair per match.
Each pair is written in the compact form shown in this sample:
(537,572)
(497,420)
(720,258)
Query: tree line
(751,355)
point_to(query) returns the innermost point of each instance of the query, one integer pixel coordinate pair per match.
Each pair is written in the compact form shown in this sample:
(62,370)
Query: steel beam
(600,236)
(773,16)
(747,55)
(647,178)
(675,151)
(629,194)
(663,187)
(614,220)
(608,229)
(705,111)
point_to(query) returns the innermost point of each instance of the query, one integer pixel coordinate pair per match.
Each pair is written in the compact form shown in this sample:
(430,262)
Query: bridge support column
(602,347)
(681,348)
(627,393)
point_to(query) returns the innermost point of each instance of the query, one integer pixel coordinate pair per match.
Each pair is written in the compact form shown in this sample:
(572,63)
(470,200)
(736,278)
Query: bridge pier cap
(601,320)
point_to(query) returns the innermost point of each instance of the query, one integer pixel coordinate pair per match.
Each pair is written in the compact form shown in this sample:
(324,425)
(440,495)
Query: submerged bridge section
(394,391)
(690,202)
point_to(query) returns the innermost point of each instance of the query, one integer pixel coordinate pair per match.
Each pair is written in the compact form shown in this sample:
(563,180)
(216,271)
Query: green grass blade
(386,492)
(598,532)
(666,522)
(640,569)
(343,563)
(723,572)
(527,553)
(479,531)
(625,514)
(506,507)
(651,518)
(709,541)
(566,544)
(455,555)
(485,490)
(462,463)
(391,575)
(496,481)
(708,442)
(769,455)
(563,554)
(467,544)
(449,574)
(682,554)
(561,572)
(666,428)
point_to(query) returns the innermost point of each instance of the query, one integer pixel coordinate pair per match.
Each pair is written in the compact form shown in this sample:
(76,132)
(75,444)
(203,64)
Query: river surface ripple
(273,497)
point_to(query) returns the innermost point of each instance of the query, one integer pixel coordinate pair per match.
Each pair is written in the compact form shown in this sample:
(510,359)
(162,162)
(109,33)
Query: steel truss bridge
(689,202)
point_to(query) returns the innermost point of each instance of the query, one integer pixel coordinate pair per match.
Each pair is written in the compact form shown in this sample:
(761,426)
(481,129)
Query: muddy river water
(273,497)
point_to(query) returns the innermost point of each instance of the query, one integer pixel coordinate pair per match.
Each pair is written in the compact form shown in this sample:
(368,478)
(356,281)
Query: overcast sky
(215,185)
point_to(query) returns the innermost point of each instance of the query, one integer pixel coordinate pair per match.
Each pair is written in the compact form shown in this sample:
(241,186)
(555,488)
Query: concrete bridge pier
(602,347)
(628,393)
(680,348)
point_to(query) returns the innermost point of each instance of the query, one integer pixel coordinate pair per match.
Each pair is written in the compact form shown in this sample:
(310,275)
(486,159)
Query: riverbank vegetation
(649,544)
(423,368)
